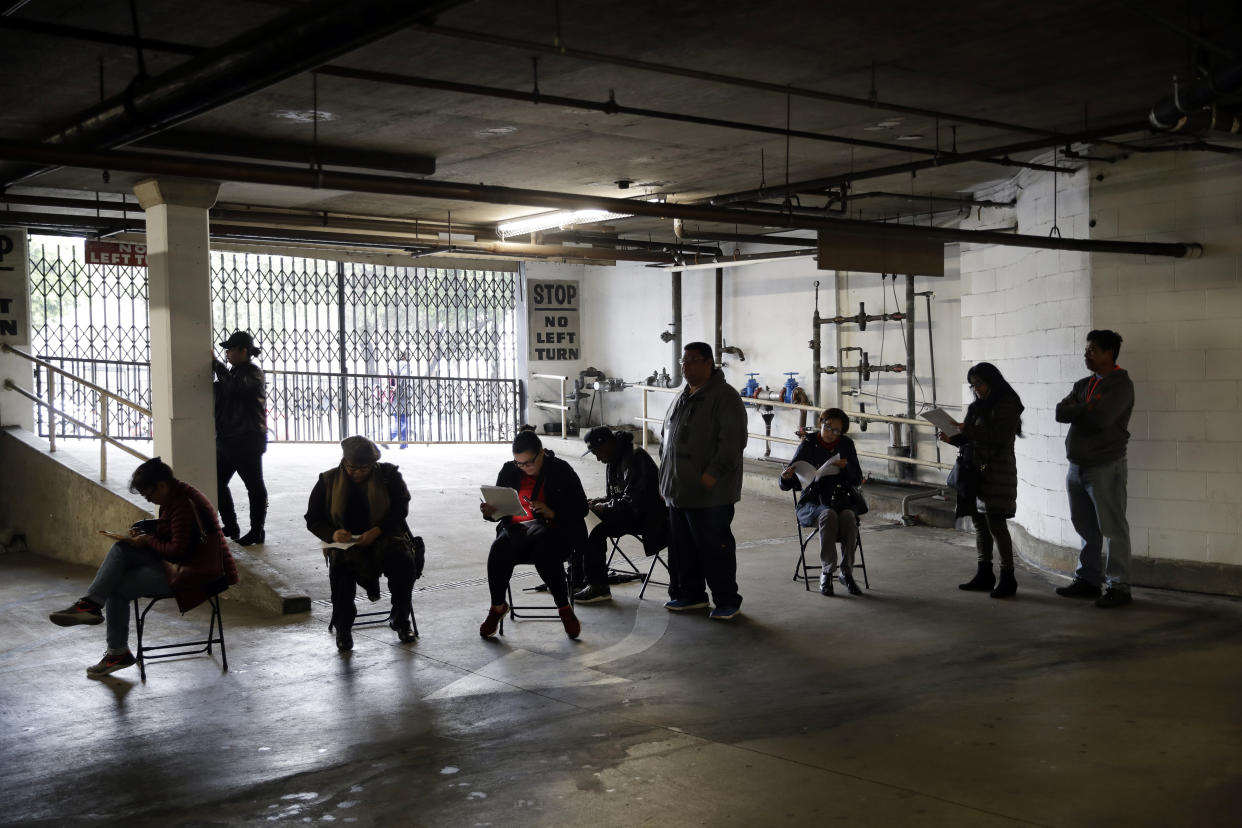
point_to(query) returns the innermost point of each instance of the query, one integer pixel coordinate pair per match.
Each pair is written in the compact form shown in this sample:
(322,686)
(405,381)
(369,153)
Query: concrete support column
(179,269)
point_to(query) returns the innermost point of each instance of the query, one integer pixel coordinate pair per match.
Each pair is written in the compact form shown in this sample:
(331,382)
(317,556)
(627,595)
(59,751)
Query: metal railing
(326,407)
(858,416)
(104,396)
(563,407)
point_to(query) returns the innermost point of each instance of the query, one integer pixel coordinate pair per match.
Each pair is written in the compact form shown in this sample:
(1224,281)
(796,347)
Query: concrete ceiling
(1049,69)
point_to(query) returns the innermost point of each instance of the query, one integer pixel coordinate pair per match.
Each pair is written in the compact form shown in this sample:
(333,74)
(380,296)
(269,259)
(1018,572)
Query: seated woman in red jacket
(179,555)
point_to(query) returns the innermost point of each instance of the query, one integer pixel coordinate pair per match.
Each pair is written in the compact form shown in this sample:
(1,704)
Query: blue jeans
(128,572)
(1097,498)
(702,555)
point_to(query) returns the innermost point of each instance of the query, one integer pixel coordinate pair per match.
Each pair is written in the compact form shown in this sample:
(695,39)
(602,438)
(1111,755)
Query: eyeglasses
(831,430)
(691,361)
(526,464)
(350,467)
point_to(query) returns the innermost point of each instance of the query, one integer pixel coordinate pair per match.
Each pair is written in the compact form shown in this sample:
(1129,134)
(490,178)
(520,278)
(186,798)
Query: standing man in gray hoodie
(1098,411)
(700,480)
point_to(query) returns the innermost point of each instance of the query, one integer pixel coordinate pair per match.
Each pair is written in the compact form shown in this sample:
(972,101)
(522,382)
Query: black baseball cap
(240,339)
(597,437)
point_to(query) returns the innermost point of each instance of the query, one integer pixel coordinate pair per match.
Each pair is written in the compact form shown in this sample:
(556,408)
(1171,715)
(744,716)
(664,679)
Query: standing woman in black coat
(993,422)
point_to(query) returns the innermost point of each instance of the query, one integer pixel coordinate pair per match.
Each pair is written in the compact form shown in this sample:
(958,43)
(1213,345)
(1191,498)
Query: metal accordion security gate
(399,354)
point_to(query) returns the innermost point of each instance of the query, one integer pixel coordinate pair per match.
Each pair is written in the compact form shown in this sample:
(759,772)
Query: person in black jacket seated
(988,490)
(631,505)
(365,501)
(241,435)
(826,503)
(552,527)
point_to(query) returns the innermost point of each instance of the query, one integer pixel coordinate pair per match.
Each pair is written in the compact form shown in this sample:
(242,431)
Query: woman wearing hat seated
(554,524)
(363,504)
(181,554)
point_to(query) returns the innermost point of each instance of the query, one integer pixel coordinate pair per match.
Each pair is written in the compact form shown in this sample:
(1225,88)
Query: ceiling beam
(157,165)
(290,44)
(779,190)
(230,146)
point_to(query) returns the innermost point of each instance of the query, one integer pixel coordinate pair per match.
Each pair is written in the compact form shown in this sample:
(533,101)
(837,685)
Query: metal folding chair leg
(215,635)
(649,578)
(535,612)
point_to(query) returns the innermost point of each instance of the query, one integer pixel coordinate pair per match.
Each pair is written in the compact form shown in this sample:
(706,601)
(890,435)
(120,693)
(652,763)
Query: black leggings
(548,553)
(989,528)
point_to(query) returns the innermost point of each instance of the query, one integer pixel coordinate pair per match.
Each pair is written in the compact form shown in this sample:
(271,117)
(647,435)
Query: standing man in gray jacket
(700,480)
(1098,411)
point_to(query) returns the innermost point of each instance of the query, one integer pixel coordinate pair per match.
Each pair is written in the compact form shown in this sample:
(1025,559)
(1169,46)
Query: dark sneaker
(683,604)
(110,663)
(344,639)
(231,531)
(404,631)
(84,611)
(252,538)
(573,628)
(724,613)
(593,595)
(1079,589)
(1113,598)
(847,581)
(825,587)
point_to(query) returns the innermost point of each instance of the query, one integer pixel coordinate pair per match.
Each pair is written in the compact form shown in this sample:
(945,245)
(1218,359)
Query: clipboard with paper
(942,420)
(808,474)
(504,500)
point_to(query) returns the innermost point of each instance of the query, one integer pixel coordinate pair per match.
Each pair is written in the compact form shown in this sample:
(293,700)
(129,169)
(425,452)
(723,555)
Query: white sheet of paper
(339,544)
(506,501)
(941,419)
(808,474)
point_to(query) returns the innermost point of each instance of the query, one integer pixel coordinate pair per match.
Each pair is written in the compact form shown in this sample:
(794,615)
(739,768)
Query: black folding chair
(803,571)
(536,612)
(215,632)
(634,571)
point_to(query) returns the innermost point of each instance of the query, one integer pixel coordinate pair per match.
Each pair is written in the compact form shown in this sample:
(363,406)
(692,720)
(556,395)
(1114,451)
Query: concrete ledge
(1158,573)
(58,503)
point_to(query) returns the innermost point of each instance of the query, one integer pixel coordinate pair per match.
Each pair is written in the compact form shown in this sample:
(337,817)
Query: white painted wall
(1027,311)
(1182,325)
(767,313)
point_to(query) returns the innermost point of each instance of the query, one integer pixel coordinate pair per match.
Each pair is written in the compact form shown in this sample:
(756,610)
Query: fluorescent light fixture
(559,219)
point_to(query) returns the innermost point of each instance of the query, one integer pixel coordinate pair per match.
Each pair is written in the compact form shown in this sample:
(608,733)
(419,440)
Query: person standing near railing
(241,434)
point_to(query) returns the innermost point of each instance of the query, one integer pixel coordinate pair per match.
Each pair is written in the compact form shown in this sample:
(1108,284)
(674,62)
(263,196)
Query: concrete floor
(915,704)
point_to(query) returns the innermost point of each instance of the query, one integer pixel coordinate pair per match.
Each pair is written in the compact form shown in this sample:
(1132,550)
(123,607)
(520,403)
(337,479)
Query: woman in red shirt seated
(552,527)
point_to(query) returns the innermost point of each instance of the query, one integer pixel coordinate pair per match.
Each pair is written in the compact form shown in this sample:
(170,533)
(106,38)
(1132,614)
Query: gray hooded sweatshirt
(1097,432)
(703,432)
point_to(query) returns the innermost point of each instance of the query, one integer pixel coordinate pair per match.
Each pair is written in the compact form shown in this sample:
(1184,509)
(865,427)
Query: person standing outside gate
(701,479)
(241,434)
(1098,411)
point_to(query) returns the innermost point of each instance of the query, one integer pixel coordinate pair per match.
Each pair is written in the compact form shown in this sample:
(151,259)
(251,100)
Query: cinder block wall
(1182,325)
(1029,312)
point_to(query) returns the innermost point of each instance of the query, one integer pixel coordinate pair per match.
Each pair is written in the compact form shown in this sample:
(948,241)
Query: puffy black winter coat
(990,430)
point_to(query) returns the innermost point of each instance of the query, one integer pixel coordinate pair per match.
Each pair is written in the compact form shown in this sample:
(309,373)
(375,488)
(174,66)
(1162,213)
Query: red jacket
(194,550)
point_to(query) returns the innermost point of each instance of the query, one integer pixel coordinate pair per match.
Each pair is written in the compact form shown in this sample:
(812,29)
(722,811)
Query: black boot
(983,581)
(1007,585)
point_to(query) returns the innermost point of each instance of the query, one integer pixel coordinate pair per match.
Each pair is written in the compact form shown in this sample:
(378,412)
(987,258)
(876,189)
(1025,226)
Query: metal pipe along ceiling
(296,41)
(455,191)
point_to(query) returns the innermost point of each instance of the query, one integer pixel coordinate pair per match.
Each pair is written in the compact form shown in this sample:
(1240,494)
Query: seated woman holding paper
(825,468)
(181,554)
(362,504)
(550,522)
(988,487)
